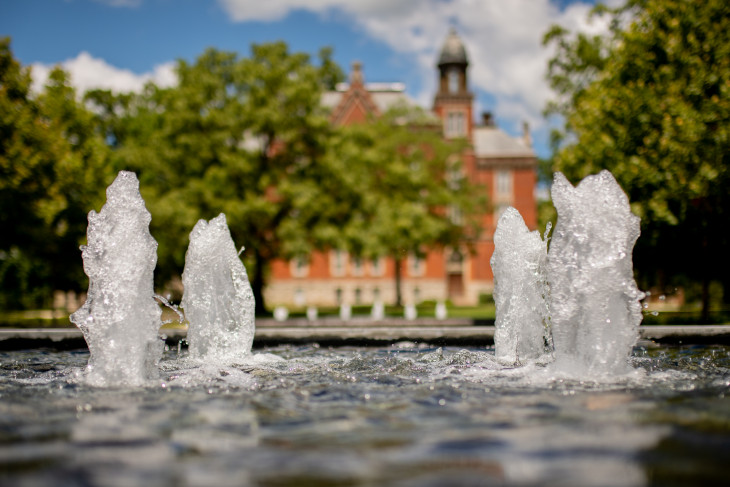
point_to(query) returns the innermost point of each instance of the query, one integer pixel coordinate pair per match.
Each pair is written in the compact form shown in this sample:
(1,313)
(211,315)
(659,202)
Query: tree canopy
(651,103)
(411,191)
(52,163)
(245,136)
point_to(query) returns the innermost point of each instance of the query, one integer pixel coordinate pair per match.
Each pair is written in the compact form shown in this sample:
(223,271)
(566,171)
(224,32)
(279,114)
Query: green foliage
(655,110)
(52,161)
(244,136)
(410,192)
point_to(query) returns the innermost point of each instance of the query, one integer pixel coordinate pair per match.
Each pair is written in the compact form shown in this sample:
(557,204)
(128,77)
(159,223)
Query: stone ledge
(338,333)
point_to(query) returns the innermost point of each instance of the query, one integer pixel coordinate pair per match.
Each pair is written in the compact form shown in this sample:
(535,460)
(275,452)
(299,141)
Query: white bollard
(281,313)
(410,312)
(441,312)
(378,311)
(345,312)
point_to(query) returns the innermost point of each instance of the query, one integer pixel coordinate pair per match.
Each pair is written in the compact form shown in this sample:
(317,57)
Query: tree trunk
(257,284)
(398,283)
(705,314)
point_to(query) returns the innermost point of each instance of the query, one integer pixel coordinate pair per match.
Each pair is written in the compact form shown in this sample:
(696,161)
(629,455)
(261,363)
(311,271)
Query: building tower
(453,101)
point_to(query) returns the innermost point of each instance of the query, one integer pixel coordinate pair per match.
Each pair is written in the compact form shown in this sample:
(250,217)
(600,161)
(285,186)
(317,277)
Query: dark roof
(453,51)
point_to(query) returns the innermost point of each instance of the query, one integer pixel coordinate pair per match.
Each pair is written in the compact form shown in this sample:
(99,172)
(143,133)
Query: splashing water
(594,304)
(520,289)
(218,300)
(120,319)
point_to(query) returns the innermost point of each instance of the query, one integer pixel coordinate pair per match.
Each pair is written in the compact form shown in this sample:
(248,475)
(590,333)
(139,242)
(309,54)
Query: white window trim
(377,267)
(338,263)
(299,267)
(455,124)
(416,266)
(503,185)
(358,266)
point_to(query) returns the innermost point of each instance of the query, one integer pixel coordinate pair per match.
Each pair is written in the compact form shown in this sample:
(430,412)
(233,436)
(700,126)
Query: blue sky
(120,44)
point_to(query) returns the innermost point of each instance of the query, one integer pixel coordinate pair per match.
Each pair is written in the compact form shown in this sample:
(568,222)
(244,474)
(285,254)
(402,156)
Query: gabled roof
(372,98)
(384,95)
(492,142)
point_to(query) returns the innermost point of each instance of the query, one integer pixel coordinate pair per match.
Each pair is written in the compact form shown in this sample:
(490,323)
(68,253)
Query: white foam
(218,301)
(520,289)
(594,304)
(120,318)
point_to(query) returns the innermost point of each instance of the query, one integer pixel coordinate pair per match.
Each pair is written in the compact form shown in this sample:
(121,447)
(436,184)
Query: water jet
(408,414)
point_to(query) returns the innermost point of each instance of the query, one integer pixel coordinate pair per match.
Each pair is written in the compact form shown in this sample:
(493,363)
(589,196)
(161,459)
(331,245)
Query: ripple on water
(388,416)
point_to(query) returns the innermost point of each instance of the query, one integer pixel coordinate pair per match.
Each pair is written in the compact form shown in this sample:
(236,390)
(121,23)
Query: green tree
(411,194)
(244,136)
(651,103)
(52,161)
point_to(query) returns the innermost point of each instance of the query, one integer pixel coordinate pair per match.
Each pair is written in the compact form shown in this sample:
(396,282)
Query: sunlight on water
(360,416)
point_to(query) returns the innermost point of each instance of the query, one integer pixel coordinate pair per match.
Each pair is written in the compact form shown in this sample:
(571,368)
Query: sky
(122,44)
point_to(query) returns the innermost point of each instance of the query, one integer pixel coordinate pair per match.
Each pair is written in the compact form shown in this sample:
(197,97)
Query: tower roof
(453,51)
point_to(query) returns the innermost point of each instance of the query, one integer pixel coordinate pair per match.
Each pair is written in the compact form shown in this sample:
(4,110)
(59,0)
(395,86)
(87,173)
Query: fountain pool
(568,399)
(400,415)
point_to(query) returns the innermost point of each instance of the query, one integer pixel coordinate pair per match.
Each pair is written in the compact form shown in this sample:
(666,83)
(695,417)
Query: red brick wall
(524,181)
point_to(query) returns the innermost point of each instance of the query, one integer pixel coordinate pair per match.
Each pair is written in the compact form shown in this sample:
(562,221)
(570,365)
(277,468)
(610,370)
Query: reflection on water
(395,416)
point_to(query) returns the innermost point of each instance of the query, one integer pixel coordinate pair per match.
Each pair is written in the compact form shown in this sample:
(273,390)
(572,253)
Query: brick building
(504,165)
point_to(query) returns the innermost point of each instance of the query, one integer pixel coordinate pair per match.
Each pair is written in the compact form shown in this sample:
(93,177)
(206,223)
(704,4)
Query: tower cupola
(453,101)
(453,51)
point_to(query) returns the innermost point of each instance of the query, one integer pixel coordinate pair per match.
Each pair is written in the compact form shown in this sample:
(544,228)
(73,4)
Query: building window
(376,294)
(455,215)
(299,267)
(338,296)
(416,266)
(416,295)
(377,267)
(358,295)
(357,267)
(455,124)
(503,185)
(338,262)
(454,176)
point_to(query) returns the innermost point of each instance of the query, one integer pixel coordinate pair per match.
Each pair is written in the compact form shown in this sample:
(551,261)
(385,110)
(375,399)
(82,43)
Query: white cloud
(503,39)
(87,72)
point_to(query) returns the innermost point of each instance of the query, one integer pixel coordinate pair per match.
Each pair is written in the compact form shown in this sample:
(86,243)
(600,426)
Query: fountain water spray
(217,300)
(520,290)
(120,319)
(594,304)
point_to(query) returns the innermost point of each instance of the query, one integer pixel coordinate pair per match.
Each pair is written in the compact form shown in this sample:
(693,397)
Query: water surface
(404,415)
